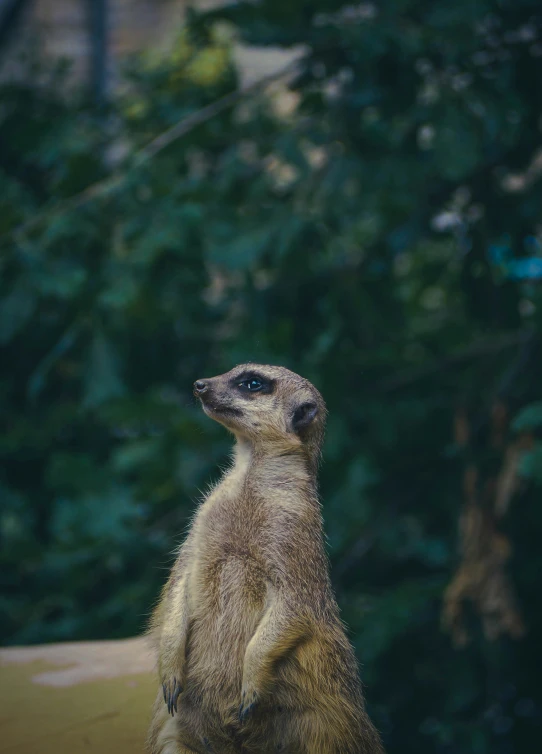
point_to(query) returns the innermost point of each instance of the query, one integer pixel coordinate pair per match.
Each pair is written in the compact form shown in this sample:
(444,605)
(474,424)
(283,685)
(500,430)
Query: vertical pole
(98,21)
(11,12)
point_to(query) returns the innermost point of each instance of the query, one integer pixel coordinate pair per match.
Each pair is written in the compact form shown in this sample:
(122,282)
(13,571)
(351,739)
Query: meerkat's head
(267,405)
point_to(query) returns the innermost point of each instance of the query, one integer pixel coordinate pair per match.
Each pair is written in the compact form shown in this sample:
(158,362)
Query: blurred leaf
(529,417)
(102,379)
(242,252)
(106,517)
(530,465)
(15,310)
(131,455)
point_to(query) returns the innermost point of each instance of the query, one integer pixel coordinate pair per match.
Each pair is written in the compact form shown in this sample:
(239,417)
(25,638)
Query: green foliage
(348,241)
(529,418)
(531,465)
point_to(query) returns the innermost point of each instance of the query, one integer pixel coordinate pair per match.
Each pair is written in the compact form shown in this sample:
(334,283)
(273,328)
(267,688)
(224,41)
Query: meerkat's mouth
(210,408)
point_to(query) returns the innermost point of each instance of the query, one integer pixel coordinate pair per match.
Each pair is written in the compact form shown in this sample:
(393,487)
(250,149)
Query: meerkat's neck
(274,470)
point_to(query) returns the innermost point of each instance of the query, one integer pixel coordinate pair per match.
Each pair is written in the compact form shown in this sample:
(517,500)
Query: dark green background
(391,271)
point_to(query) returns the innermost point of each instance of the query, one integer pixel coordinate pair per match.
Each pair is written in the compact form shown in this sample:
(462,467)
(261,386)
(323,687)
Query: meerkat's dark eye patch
(253,383)
(304,415)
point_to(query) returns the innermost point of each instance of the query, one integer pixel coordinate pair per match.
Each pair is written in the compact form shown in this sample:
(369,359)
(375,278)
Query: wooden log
(76,697)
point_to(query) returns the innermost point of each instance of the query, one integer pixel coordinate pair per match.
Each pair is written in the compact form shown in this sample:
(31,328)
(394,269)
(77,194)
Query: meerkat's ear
(304,415)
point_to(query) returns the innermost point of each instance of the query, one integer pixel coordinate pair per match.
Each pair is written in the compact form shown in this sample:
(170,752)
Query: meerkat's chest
(228,570)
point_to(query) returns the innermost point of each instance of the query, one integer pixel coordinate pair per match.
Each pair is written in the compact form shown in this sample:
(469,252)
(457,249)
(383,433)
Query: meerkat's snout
(216,400)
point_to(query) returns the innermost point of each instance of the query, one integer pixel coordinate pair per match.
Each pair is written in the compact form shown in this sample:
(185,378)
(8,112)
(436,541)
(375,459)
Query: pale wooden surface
(76,697)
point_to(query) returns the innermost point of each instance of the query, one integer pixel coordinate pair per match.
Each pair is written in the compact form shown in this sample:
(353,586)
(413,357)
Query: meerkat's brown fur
(252,654)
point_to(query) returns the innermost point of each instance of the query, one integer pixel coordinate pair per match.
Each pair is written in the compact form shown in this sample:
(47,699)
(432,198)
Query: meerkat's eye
(253,384)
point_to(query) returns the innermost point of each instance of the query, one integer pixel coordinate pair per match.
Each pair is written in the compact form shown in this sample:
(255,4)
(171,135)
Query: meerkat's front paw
(249,699)
(172,690)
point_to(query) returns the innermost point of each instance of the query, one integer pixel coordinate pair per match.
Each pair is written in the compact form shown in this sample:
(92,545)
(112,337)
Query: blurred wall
(62,29)
(133,25)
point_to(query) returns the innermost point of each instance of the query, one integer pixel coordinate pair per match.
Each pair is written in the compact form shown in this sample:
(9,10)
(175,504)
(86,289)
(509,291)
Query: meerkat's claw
(176,692)
(175,695)
(171,694)
(248,702)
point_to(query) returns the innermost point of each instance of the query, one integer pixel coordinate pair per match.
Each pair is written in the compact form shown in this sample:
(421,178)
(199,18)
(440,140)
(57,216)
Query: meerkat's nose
(200,387)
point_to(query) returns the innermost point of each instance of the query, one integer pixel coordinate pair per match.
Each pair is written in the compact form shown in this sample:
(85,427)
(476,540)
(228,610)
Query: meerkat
(252,654)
